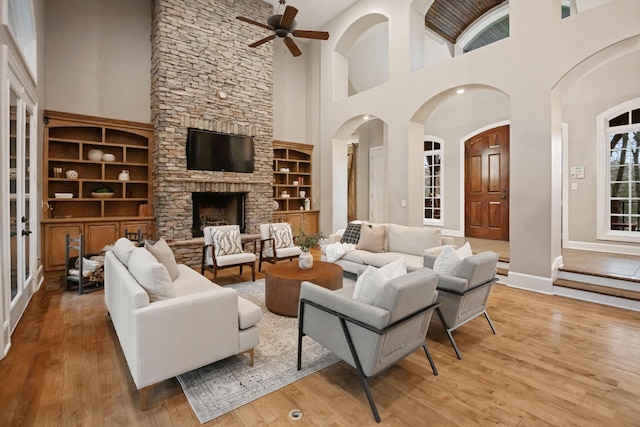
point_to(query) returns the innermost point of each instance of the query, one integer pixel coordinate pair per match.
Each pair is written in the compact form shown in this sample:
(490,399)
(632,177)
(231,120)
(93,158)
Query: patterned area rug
(221,387)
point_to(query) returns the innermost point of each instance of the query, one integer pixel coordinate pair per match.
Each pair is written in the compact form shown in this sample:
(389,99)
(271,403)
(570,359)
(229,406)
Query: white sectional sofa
(412,243)
(168,327)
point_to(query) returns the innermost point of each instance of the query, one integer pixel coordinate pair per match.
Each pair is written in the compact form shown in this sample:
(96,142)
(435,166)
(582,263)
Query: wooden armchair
(277,243)
(223,249)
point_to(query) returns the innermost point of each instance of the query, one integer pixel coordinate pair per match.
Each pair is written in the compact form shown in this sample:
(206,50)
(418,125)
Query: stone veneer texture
(199,48)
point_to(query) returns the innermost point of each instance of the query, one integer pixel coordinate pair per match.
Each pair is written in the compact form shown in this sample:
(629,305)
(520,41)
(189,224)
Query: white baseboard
(602,247)
(452,233)
(543,285)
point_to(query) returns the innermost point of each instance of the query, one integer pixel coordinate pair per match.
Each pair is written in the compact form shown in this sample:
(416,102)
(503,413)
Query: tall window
(621,221)
(21,23)
(433,181)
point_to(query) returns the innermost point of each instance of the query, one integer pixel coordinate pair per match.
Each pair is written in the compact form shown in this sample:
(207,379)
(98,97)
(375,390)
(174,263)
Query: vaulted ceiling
(449,18)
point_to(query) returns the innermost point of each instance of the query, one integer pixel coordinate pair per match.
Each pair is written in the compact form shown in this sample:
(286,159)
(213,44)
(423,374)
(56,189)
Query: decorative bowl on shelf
(95,155)
(101,195)
(276,205)
(108,157)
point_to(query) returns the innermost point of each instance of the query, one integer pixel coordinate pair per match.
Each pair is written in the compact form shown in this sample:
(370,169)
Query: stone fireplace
(197,53)
(210,209)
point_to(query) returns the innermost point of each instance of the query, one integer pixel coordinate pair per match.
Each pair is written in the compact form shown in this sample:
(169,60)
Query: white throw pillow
(465,250)
(372,280)
(282,235)
(449,259)
(151,275)
(164,255)
(227,242)
(122,250)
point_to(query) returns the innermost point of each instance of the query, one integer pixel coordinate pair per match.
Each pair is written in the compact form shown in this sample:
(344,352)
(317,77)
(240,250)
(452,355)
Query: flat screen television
(214,151)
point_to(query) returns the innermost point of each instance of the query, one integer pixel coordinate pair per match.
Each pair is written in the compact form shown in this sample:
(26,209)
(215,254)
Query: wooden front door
(487,185)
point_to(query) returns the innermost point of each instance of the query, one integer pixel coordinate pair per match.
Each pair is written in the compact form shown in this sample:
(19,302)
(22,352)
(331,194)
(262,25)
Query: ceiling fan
(284,26)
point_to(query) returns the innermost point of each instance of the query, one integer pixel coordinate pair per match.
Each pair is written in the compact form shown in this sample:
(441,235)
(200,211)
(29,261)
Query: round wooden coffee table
(282,284)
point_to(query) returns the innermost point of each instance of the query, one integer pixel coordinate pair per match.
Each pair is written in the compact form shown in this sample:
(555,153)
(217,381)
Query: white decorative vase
(305,261)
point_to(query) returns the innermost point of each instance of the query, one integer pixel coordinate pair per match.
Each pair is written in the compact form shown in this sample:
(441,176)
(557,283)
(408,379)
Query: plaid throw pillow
(351,234)
(282,235)
(227,242)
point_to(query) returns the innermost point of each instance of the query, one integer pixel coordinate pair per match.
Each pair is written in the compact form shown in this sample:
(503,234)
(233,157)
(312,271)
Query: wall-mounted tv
(214,151)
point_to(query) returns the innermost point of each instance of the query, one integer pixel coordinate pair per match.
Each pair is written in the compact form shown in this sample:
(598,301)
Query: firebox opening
(210,209)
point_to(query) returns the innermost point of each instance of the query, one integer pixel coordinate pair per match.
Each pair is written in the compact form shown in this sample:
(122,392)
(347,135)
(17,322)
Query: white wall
(369,59)
(607,86)
(289,93)
(98,56)
(527,67)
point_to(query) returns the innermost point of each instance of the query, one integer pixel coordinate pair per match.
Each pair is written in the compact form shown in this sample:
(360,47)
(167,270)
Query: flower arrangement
(306,241)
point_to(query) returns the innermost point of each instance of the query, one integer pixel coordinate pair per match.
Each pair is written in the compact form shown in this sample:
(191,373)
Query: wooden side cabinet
(97,180)
(54,238)
(292,186)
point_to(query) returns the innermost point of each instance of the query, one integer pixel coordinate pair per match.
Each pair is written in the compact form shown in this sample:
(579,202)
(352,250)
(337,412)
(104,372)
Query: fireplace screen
(217,209)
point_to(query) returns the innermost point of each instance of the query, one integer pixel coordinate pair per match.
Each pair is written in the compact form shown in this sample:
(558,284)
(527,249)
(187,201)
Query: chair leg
(253,271)
(428,353)
(251,354)
(300,333)
(446,328)
(241,270)
(361,375)
(486,315)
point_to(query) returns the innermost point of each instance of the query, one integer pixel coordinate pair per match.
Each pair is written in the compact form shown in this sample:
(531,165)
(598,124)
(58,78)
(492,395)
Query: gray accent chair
(463,295)
(370,338)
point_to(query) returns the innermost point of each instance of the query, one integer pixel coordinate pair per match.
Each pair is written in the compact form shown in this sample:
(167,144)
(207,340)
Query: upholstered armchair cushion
(281,235)
(291,251)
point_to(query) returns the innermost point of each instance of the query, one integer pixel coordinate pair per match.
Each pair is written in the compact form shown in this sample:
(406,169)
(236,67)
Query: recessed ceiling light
(459,91)
(366,117)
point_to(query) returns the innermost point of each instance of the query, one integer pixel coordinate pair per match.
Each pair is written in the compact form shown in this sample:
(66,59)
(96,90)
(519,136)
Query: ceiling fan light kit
(284,26)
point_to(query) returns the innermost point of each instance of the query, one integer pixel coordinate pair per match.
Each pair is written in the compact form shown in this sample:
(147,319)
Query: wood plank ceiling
(449,18)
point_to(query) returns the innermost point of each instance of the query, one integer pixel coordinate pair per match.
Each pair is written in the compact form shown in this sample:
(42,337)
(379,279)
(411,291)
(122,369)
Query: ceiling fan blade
(262,41)
(318,35)
(293,47)
(251,21)
(287,18)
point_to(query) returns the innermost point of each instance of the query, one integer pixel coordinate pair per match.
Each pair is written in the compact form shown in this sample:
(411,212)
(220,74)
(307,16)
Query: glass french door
(21,211)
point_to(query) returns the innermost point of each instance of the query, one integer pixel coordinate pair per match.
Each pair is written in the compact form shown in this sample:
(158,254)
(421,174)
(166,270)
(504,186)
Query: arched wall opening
(351,60)
(454,117)
(368,133)
(596,84)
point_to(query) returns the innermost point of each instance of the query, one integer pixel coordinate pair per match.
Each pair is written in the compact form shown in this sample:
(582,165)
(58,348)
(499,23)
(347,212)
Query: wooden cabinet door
(100,234)
(134,226)
(295,220)
(310,223)
(55,241)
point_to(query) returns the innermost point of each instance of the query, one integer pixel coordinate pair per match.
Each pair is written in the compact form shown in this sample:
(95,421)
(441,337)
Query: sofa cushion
(281,235)
(226,242)
(412,240)
(151,275)
(249,314)
(189,281)
(372,238)
(164,255)
(351,233)
(372,280)
(122,250)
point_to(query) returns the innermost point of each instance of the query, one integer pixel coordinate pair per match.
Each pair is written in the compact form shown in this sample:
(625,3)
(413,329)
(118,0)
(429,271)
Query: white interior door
(377,179)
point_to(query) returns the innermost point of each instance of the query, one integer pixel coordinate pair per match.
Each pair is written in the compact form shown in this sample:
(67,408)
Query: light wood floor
(555,361)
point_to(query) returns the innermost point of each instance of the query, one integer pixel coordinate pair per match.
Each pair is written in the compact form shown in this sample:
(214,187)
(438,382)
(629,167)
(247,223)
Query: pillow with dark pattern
(351,234)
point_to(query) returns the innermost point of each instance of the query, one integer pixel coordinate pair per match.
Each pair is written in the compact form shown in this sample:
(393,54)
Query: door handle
(504,193)
(26,232)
